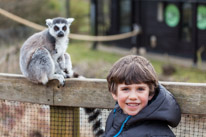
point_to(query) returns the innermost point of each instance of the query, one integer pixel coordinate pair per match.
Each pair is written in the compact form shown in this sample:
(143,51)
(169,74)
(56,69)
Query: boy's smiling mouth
(132,104)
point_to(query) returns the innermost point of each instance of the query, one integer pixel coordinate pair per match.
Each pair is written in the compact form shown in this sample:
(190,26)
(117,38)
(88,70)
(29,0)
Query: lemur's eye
(64,28)
(56,28)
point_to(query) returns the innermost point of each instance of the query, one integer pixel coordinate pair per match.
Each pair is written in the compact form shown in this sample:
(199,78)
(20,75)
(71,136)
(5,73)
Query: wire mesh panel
(191,126)
(64,121)
(18,119)
(24,119)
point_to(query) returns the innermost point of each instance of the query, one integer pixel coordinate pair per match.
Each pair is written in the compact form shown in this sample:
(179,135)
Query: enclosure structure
(54,111)
(175,27)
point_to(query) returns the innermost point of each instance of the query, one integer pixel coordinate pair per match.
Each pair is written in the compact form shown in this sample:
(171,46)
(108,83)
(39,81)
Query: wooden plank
(84,93)
(190,96)
(17,88)
(93,93)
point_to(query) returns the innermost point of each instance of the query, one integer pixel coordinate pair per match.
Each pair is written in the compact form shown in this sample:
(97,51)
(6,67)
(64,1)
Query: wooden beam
(17,88)
(92,93)
(190,96)
(84,93)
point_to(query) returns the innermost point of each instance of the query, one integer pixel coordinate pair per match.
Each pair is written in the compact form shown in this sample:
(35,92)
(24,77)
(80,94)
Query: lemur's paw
(60,78)
(67,76)
(61,83)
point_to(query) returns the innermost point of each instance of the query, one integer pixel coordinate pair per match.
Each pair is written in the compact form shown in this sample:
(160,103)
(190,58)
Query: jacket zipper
(121,129)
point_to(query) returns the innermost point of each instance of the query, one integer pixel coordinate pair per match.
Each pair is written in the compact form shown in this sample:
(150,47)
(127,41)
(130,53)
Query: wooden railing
(91,93)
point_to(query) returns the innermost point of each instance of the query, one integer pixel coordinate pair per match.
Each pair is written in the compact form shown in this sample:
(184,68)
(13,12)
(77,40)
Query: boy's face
(132,98)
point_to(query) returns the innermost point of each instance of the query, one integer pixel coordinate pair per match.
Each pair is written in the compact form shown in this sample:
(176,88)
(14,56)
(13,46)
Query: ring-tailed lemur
(43,57)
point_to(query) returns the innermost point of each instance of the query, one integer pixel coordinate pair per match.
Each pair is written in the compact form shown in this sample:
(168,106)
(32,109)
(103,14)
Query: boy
(144,108)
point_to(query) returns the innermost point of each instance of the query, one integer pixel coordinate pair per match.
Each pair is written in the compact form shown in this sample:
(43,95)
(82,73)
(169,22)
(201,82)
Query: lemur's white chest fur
(60,47)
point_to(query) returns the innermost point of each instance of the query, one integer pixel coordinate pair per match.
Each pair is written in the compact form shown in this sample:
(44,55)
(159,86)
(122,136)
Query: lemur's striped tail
(94,116)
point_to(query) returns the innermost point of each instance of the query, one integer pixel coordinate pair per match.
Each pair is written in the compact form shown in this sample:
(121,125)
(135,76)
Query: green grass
(81,51)
(100,62)
(182,74)
(190,75)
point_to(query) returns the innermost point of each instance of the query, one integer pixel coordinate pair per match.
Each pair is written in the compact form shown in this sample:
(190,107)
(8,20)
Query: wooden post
(64,121)
(67,3)
(195,33)
(94,19)
(76,124)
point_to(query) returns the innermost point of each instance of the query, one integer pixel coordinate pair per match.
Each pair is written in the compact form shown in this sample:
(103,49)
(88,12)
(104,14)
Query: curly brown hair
(132,69)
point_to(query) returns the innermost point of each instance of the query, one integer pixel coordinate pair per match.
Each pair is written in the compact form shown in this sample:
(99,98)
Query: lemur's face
(59,27)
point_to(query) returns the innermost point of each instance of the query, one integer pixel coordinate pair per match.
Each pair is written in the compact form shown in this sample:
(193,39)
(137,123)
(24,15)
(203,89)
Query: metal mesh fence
(24,119)
(191,126)
(18,119)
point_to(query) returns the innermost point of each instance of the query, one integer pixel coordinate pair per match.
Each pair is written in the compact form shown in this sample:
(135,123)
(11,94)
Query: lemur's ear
(49,22)
(70,20)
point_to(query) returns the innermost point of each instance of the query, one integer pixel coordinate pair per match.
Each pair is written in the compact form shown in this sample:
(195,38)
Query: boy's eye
(125,89)
(140,89)
(64,28)
(56,28)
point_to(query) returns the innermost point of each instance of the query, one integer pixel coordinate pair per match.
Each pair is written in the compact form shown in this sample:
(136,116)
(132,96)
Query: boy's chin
(131,113)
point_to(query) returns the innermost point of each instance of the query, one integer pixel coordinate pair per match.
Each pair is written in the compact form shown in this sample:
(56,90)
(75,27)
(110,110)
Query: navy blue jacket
(152,121)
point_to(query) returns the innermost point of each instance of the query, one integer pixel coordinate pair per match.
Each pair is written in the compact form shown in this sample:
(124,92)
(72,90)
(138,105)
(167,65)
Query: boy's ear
(151,96)
(114,96)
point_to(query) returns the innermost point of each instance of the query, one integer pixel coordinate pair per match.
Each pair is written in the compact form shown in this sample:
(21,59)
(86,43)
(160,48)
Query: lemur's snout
(60,34)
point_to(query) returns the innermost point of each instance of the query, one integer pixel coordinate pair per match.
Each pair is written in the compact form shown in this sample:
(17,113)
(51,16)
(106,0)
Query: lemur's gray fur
(43,55)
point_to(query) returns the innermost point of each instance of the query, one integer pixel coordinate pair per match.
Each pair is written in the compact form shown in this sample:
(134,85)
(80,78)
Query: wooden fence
(91,93)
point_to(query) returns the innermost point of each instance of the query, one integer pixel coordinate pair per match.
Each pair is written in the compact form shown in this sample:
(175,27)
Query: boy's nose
(133,95)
